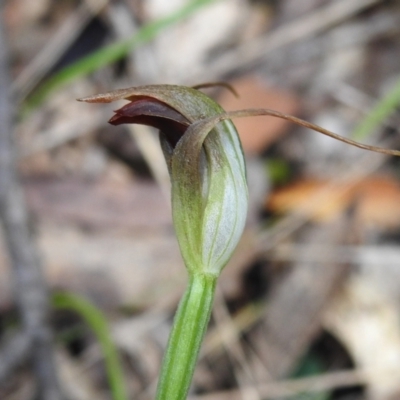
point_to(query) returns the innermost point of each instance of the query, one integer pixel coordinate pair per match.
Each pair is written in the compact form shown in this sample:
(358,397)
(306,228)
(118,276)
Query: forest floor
(309,305)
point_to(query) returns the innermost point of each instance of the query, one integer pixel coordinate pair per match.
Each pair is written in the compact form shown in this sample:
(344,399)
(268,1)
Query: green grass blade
(98,323)
(378,114)
(111,53)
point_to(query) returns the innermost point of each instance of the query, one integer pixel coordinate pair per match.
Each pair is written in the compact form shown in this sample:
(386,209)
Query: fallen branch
(29,286)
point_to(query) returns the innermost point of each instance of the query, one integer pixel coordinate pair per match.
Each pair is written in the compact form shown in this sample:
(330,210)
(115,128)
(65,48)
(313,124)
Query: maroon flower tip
(151,112)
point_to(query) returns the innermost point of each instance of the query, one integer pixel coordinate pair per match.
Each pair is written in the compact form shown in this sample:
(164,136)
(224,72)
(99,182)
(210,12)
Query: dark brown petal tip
(150,112)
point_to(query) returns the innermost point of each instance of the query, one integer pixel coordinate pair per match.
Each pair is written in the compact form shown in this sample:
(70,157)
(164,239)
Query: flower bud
(206,165)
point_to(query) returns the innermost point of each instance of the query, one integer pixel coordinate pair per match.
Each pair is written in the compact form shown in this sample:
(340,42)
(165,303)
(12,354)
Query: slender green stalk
(98,323)
(184,343)
(111,53)
(377,115)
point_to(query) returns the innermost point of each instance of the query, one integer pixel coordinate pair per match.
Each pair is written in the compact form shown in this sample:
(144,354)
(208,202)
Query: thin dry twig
(124,25)
(234,348)
(259,50)
(242,321)
(59,42)
(323,382)
(379,255)
(30,290)
(345,178)
(259,112)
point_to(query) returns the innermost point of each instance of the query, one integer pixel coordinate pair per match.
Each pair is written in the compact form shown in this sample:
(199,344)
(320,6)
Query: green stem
(187,333)
(98,323)
(111,53)
(382,110)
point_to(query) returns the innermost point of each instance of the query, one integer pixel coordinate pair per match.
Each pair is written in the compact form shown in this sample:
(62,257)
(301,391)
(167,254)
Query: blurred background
(309,306)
